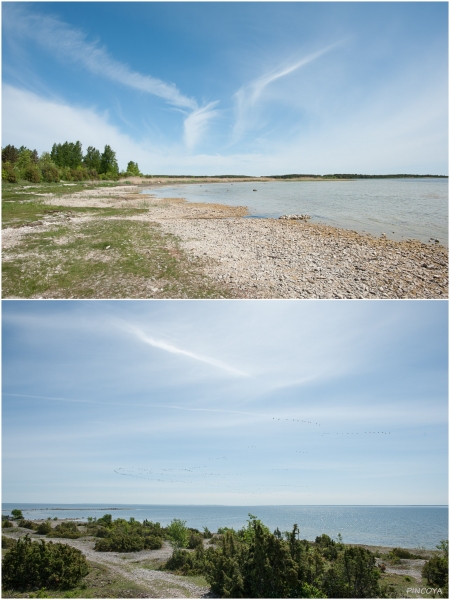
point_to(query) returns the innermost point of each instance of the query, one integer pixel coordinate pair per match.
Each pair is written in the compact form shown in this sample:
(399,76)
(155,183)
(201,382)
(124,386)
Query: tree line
(65,162)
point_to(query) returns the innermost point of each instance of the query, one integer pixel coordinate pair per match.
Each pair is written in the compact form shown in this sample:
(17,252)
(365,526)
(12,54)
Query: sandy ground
(274,258)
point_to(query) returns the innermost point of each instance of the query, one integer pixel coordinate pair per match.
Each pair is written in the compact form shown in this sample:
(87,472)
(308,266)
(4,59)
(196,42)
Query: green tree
(10,154)
(92,159)
(68,154)
(353,575)
(133,168)
(17,514)
(108,161)
(178,534)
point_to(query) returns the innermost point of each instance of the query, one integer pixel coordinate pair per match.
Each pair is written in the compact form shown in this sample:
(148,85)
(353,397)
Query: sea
(400,208)
(392,526)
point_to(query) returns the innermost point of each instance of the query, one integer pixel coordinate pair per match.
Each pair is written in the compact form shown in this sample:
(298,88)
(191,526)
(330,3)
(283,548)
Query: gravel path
(159,583)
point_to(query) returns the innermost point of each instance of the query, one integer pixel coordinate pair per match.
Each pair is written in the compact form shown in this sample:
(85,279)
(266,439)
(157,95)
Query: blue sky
(225,402)
(244,88)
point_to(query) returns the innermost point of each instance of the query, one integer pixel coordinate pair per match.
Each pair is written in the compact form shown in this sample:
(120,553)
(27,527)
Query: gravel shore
(277,258)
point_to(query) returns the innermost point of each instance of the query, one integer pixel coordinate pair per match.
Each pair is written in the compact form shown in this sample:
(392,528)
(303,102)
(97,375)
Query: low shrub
(44,528)
(206,533)
(400,553)
(50,173)
(101,532)
(17,514)
(183,562)
(6,524)
(66,529)
(30,565)
(195,540)
(26,524)
(120,542)
(152,542)
(435,570)
(8,543)
(8,173)
(32,174)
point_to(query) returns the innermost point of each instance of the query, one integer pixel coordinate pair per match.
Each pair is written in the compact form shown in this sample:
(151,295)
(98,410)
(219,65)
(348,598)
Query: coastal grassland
(101,582)
(55,251)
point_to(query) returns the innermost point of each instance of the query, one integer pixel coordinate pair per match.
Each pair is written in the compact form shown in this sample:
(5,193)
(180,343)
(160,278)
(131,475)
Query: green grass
(99,583)
(398,584)
(74,261)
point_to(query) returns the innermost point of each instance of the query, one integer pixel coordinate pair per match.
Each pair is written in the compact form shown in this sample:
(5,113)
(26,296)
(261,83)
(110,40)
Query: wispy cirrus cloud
(196,123)
(167,347)
(72,44)
(250,93)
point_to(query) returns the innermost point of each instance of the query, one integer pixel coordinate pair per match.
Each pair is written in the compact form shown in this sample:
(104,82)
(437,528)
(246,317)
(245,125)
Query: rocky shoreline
(294,258)
(289,258)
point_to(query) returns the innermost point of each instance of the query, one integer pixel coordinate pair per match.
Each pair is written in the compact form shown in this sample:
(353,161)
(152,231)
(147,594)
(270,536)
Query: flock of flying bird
(201,473)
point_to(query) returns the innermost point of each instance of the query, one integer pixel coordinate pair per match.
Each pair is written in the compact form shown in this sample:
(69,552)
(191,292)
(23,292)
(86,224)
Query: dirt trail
(158,583)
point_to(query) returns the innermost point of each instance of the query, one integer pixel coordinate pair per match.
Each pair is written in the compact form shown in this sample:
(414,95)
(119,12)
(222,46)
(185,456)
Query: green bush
(195,540)
(183,562)
(44,528)
(400,553)
(206,533)
(26,524)
(102,532)
(120,542)
(152,542)
(8,542)
(66,529)
(6,523)
(30,565)
(17,514)
(50,173)
(32,174)
(435,570)
(106,520)
(8,173)
(354,575)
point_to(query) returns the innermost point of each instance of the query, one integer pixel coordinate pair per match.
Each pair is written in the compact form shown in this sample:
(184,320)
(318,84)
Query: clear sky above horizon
(225,402)
(232,88)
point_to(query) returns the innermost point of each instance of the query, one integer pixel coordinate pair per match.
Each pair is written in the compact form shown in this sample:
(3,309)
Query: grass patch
(152,564)
(399,584)
(99,583)
(197,580)
(101,258)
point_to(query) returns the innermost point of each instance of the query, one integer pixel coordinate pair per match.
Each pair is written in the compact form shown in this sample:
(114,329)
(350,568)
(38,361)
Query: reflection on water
(400,208)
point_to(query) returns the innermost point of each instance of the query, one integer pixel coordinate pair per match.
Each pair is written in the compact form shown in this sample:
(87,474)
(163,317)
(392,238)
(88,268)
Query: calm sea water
(405,526)
(400,208)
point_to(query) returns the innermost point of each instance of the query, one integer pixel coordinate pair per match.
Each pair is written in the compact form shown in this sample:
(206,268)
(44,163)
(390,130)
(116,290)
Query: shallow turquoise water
(405,526)
(400,208)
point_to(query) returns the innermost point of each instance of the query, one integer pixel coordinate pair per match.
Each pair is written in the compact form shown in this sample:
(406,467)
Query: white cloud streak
(249,94)
(66,42)
(162,345)
(197,122)
(147,405)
